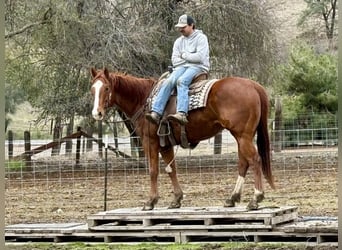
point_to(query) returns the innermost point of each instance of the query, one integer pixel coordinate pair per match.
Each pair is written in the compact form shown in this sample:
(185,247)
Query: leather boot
(179,117)
(153,117)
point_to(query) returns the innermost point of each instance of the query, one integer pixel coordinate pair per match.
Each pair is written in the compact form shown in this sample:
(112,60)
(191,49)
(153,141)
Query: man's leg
(163,95)
(183,83)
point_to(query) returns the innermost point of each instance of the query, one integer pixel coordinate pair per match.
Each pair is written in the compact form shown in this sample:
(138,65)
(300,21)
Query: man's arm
(176,54)
(201,51)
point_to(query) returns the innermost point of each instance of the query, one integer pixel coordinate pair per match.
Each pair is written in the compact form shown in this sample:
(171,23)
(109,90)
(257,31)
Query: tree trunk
(56,136)
(68,144)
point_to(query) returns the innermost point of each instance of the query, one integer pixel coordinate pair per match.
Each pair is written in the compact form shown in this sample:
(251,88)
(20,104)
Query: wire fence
(56,189)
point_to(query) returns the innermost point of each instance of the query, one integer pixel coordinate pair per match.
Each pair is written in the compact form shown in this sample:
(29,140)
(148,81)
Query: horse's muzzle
(97,115)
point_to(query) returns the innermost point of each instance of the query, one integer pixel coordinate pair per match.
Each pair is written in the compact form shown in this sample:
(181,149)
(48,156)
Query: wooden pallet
(212,224)
(312,226)
(68,232)
(191,218)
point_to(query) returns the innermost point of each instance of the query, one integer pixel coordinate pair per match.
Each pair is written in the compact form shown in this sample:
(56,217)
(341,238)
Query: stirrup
(165,132)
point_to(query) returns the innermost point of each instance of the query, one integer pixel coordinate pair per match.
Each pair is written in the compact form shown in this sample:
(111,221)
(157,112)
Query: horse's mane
(130,85)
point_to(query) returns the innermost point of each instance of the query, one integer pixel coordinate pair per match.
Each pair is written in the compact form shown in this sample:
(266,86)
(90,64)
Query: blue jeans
(181,78)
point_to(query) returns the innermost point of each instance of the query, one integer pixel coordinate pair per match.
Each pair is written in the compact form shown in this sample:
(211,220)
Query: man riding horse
(190,56)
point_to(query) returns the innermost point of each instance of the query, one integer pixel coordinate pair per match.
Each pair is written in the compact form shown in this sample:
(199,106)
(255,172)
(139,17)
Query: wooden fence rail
(26,156)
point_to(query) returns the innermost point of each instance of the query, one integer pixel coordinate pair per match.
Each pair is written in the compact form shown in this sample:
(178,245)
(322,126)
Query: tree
(241,36)
(323,10)
(310,81)
(55,43)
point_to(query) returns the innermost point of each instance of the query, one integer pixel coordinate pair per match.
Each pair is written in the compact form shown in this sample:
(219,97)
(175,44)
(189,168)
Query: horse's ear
(93,72)
(106,73)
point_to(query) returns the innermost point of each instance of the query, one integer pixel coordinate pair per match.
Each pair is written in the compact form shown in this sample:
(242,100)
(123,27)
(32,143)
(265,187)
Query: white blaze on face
(97,86)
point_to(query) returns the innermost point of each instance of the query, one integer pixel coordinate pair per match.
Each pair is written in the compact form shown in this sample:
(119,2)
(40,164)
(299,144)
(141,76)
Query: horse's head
(101,91)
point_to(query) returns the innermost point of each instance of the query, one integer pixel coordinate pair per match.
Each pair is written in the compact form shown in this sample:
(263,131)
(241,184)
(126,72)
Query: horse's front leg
(152,153)
(168,157)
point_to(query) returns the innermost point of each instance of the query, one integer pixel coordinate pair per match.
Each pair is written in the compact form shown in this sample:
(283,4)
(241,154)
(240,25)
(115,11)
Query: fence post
(27,146)
(105,175)
(57,136)
(218,143)
(100,138)
(10,144)
(78,148)
(277,125)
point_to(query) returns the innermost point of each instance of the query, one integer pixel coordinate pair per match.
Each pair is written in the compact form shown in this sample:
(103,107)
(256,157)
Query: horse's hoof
(252,205)
(147,207)
(174,205)
(229,203)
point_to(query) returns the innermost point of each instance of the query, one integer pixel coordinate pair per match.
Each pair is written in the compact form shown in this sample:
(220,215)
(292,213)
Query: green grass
(14,165)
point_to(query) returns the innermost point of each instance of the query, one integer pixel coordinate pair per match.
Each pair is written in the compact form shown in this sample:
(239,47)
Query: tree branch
(23,29)
(46,17)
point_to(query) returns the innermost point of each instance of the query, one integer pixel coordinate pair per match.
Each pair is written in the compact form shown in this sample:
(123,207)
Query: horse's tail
(263,141)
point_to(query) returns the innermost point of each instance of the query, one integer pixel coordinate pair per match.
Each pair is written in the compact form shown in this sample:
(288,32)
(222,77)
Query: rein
(141,110)
(138,114)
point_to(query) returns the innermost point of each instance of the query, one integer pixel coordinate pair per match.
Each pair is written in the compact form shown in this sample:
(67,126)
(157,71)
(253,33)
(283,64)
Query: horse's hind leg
(248,157)
(168,157)
(249,151)
(236,195)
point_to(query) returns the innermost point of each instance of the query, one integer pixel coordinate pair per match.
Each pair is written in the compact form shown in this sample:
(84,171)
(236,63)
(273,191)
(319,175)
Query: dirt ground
(58,191)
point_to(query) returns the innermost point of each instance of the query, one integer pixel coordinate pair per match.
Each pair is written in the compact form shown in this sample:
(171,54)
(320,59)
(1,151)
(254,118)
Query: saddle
(165,133)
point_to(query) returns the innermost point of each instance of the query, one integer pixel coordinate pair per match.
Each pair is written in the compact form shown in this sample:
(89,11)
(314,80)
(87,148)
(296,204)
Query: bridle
(108,98)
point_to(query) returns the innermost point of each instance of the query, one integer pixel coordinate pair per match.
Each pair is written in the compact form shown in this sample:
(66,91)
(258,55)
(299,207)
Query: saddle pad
(198,93)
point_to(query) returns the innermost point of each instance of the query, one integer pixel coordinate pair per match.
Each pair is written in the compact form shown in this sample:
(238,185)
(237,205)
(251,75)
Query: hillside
(287,13)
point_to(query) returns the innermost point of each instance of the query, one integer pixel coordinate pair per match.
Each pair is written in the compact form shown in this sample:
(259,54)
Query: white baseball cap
(184,20)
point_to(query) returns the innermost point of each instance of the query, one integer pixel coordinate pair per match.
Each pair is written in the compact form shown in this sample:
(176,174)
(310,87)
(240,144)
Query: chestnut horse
(237,104)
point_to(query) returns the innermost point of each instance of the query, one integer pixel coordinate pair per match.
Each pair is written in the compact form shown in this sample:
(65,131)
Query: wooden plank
(109,227)
(288,217)
(313,226)
(207,215)
(182,237)
(178,236)
(157,236)
(195,211)
(46,228)
(49,145)
(256,237)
